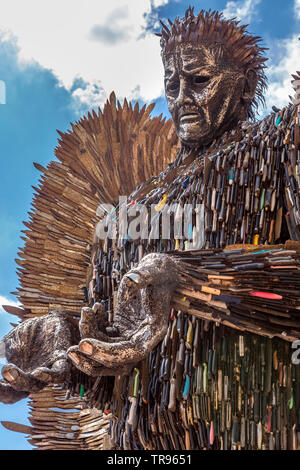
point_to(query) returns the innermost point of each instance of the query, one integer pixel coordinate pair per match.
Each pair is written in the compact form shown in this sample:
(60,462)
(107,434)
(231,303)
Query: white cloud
(243,10)
(102,48)
(92,94)
(159,3)
(279,73)
(99,41)
(6,301)
(297,8)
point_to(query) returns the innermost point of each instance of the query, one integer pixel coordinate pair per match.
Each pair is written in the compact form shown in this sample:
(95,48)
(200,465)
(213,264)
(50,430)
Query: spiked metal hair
(211,28)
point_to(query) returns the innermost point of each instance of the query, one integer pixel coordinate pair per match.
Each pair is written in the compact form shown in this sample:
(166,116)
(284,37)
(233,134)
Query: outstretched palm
(141,320)
(36,355)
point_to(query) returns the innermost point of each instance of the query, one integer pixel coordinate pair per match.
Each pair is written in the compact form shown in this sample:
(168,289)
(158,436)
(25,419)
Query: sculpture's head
(214,75)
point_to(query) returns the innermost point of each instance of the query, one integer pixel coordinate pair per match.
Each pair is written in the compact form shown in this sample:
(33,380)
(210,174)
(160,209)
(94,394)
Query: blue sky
(59,59)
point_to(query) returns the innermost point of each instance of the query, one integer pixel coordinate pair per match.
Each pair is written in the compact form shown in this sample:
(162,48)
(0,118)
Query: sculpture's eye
(199,79)
(173,85)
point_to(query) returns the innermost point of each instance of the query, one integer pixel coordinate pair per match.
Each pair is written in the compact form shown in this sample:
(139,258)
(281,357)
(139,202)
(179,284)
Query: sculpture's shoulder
(276,130)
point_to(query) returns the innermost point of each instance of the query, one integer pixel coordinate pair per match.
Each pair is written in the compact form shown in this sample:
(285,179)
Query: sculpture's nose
(184,96)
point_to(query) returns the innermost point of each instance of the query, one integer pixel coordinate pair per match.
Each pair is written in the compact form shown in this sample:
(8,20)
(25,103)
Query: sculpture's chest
(245,192)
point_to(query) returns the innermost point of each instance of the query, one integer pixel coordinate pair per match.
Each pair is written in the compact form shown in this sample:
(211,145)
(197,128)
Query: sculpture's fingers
(8,395)
(107,354)
(83,363)
(19,380)
(89,325)
(111,355)
(56,374)
(91,367)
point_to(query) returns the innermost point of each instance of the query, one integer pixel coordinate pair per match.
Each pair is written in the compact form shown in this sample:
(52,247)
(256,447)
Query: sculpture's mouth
(189,117)
(189,114)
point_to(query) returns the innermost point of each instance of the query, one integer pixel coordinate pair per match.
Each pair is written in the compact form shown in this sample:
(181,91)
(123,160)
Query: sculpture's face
(204,92)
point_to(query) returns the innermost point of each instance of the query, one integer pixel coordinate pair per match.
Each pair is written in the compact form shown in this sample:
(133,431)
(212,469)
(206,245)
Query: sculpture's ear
(251,80)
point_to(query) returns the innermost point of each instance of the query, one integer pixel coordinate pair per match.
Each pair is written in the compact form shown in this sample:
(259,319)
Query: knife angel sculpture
(182,333)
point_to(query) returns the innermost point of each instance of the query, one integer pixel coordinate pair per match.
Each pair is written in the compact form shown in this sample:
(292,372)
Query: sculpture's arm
(211,286)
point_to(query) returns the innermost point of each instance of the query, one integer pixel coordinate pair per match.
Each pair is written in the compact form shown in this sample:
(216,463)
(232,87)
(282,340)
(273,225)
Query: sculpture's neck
(187,154)
(188,151)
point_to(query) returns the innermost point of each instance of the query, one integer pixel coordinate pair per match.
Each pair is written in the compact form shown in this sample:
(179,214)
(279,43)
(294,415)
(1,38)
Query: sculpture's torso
(232,389)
